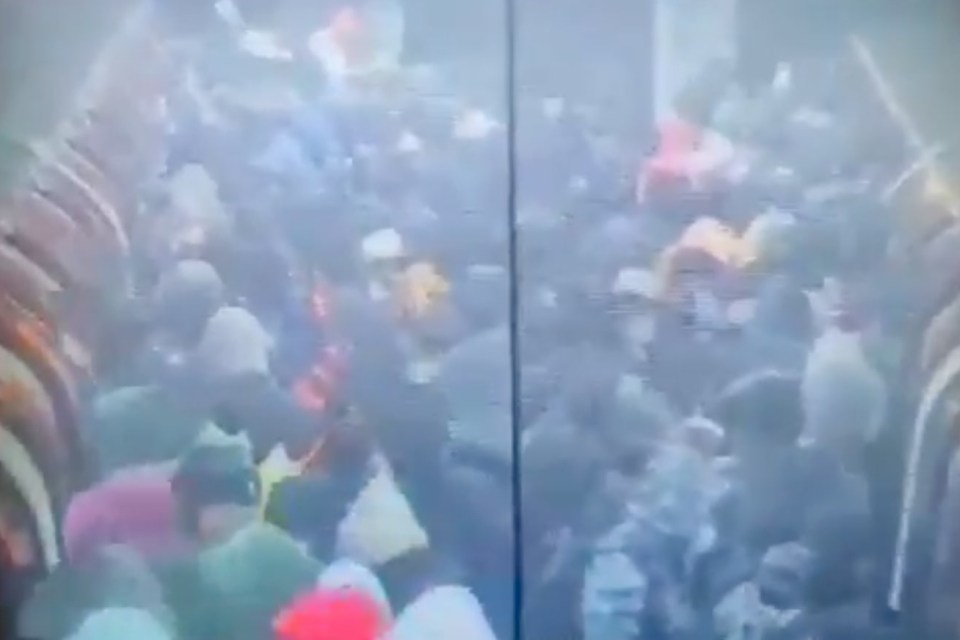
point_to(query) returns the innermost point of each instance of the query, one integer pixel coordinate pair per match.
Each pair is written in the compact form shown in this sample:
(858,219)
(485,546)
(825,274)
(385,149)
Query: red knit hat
(338,614)
(669,169)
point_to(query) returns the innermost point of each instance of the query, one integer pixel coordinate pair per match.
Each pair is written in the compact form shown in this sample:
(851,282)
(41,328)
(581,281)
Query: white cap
(384,244)
(409,143)
(638,282)
(474,125)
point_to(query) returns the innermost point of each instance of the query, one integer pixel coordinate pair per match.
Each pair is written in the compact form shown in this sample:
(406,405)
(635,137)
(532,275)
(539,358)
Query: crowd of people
(307,431)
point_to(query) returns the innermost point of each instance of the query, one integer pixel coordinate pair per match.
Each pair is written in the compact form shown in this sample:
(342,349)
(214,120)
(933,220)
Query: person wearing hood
(232,367)
(246,570)
(762,414)
(350,604)
(233,345)
(133,506)
(183,300)
(359,514)
(142,425)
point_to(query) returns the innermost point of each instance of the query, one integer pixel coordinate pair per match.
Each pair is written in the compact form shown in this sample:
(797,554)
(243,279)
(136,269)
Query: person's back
(134,507)
(134,426)
(251,576)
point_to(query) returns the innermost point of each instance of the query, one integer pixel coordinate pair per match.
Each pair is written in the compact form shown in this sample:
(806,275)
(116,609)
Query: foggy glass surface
(695,262)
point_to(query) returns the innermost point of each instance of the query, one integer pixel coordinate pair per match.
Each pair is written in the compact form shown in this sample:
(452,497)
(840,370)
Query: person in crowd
(766,463)
(134,506)
(185,298)
(245,570)
(113,578)
(143,425)
(316,437)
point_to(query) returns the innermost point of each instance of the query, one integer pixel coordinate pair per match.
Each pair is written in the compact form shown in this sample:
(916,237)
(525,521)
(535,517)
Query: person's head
(341,613)
(217,488)
(185,298)
(234,346)
(760,410)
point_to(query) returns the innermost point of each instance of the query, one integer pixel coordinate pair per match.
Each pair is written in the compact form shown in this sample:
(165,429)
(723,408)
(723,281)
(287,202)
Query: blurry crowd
(306,431)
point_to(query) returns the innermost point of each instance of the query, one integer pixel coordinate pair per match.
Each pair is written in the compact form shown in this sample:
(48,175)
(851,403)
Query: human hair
(764,405)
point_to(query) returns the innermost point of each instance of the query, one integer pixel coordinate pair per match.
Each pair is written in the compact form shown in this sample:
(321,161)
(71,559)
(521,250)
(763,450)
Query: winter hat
(234,343)
(331,614)
(383,245)
(218,469)
(640,283)
(768,237)
(380,525)
(474,124)
(252,576)
(346,574)
(187,281)
(120,624)
(844,398)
